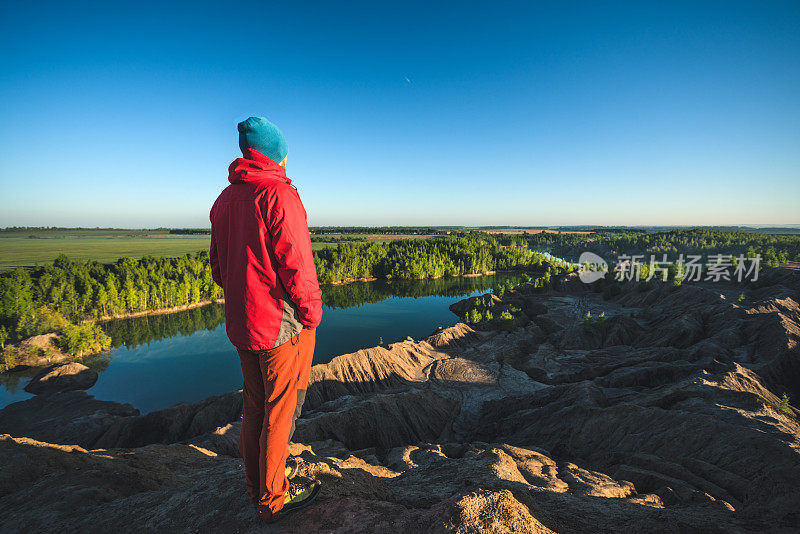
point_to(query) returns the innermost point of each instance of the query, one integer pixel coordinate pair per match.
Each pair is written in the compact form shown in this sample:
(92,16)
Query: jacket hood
(255,167)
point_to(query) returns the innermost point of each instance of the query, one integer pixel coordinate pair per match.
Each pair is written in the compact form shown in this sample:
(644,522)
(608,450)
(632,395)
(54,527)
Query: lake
(161,360)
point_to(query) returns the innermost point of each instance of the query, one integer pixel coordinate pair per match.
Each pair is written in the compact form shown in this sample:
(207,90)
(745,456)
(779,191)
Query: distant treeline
(314,238)
(42,228)
(774,249)
(420,258)
(431,230)
(396,230)
(190,231)
(335,239)
(326,230)
(77,228)
(786,230)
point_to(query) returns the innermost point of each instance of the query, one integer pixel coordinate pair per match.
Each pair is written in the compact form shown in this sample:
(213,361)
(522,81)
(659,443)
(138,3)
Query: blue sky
(523,113)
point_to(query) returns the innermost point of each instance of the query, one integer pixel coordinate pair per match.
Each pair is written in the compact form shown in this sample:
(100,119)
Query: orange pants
(275,383)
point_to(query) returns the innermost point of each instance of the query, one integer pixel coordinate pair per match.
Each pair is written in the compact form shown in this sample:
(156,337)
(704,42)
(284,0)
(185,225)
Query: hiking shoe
(301,493)
(292,467)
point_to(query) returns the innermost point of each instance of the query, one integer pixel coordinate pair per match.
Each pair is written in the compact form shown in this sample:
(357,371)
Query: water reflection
(13,383)
(358,293)
(138,331)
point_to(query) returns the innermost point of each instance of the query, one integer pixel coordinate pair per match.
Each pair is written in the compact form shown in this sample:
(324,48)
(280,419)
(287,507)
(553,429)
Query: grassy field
(38,247)
(23,251)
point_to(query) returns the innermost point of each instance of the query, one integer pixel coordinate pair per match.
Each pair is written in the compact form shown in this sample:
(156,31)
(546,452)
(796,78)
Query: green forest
(421,258)
(774,248)
(60,296)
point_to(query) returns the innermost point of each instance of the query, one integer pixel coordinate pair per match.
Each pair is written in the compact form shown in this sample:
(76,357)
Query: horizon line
(431,226)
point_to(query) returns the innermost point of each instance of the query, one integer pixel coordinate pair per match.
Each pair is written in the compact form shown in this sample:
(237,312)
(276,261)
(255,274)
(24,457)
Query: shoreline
(184,307)
(158,311)
(374,279)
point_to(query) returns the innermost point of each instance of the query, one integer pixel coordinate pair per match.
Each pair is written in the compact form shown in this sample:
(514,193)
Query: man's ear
(283,163)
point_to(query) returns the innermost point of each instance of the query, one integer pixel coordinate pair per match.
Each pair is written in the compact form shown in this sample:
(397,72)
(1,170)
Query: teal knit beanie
(260,134)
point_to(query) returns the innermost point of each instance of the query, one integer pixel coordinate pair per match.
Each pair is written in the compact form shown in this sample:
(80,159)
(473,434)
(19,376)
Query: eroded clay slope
(664,416)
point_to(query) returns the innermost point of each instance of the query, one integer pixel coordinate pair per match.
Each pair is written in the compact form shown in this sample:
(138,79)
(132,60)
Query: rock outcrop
(668,414)
(62,377)
(77,418)
(449,487)
(70,417)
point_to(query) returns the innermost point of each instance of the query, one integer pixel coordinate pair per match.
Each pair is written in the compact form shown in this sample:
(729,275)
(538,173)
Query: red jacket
(261,255)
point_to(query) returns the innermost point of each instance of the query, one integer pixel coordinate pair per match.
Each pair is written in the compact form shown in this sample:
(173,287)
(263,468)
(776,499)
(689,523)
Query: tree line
(47,298)
(409,259)
(396,230)
(773,248)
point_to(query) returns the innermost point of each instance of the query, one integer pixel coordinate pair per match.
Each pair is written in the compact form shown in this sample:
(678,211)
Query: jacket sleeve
(291,242)
(213,256)
(214,260)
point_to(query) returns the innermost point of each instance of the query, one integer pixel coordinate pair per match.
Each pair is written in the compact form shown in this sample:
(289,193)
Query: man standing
(261,257)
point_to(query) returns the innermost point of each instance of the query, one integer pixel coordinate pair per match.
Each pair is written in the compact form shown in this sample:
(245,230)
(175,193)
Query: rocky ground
(664,417)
